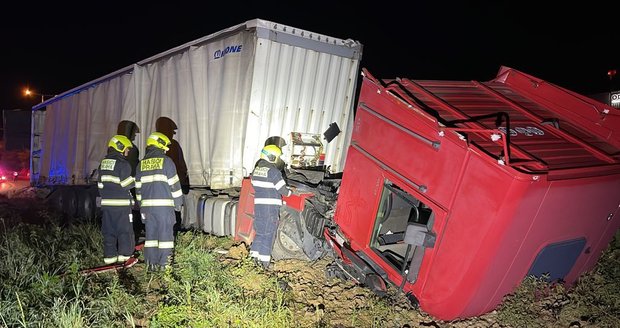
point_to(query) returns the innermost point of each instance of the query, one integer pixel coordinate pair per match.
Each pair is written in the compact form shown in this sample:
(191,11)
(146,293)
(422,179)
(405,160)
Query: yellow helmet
(271,153)
(158,140)
(120,143)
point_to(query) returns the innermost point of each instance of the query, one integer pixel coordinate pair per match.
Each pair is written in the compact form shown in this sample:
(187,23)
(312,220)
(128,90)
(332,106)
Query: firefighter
(129,129)
(167,126)
(115,181)
(159,192)
(269,187)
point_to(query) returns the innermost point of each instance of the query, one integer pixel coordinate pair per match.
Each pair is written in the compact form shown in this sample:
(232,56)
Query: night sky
(53,48)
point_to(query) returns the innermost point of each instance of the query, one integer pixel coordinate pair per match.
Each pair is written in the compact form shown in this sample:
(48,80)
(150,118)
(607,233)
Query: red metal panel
(244,226)
(407,146)
(358,199)
(493,219)
(468,242)
(600,120)
(296,201)
(540,113)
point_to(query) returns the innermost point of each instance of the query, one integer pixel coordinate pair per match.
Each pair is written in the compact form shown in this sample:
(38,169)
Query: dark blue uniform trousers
(117,230)
(159,236)
(265,225)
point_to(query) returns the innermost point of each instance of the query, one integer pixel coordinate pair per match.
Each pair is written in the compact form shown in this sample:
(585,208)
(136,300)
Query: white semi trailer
(226,92)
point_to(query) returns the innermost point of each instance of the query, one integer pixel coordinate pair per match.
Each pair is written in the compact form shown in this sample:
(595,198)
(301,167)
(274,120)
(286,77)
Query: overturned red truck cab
(455,191)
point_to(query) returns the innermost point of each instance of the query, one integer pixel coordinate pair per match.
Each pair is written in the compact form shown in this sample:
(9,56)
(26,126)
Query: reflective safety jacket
(157,182)
(115,180)
(269,186)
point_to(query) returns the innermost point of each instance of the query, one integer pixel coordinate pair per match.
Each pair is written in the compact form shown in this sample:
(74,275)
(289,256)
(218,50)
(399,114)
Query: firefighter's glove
(177,208)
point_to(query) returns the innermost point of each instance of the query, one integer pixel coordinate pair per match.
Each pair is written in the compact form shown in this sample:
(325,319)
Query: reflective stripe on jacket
(269,186)
(157,182)
(115,180)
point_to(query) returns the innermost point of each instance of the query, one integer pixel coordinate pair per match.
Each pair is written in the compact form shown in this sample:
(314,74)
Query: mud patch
(341,303)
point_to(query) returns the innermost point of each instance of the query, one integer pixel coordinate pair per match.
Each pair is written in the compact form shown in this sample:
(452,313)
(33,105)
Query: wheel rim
(287,234)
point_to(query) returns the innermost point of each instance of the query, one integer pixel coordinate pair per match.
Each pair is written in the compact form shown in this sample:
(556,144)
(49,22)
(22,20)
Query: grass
(40,286)
(593,302)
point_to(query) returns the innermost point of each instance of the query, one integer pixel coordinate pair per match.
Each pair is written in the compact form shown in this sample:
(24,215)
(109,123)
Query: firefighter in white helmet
(159,192)
(115,182)
(269,187)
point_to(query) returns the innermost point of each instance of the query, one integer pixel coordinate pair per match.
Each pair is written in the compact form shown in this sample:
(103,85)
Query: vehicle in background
(13,175)
(22,174)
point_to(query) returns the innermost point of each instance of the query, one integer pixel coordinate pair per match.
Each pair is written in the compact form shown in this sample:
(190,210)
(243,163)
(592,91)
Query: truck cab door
(403,230)
(418,238)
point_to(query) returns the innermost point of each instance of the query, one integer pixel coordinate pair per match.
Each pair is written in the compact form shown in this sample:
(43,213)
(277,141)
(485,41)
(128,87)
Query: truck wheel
(288,239)
(86,208)
(54,200)
(69,202)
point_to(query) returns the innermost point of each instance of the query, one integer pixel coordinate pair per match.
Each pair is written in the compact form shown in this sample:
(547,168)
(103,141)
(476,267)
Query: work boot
(153,268)
(266,265)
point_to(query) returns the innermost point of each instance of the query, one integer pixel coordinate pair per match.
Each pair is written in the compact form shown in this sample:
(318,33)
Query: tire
(86,207)
(55,200)
(69,202)
(288,240)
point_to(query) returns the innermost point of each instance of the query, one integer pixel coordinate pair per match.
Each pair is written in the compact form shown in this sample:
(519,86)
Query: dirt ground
(342,303)
(339,301)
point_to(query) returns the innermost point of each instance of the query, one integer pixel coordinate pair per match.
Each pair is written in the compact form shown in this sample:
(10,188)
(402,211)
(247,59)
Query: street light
(29,93)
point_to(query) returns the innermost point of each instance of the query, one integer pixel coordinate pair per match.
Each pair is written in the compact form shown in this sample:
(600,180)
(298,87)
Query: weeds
(594,301)
(40,286)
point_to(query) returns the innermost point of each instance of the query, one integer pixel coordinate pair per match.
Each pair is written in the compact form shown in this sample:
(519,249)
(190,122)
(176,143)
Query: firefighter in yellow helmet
(159,192)
(280,142)
(269,187)
(115,182)
(168,127)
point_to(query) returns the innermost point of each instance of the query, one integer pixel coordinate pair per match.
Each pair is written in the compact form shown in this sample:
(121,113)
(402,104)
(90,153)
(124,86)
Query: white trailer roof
(226,92)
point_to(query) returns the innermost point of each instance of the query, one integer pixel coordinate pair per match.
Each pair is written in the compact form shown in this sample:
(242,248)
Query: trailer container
(226,93)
